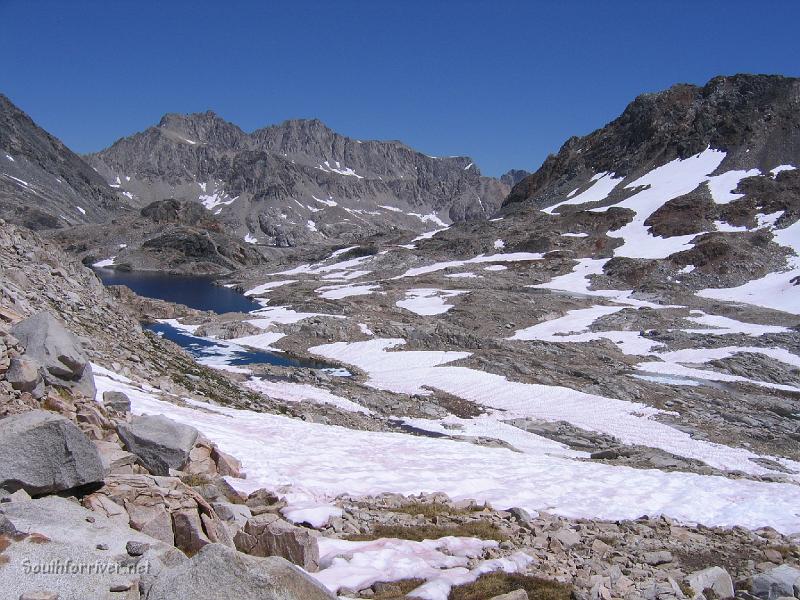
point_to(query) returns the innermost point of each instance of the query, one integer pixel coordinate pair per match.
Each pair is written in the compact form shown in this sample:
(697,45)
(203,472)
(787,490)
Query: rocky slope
(166,235)
(116,484)
(43,184)
(298,182)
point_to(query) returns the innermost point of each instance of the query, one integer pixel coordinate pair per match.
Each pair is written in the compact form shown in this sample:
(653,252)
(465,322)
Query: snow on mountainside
(694,187)
(296,182)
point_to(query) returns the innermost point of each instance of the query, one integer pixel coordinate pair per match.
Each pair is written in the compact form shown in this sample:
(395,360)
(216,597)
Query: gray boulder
(783,581)
(714,578)
(117,402)
(160,443)
(224,574)
(43,452)
(58,350)
(24,375)
(234,515)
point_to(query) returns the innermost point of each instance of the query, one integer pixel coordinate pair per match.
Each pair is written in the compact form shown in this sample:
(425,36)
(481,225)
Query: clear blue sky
(504,82)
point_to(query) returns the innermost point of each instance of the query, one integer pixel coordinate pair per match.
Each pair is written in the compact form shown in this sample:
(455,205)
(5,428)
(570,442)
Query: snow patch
(107,262)
(346,291)
(265,287)
(604,184)
(428,301)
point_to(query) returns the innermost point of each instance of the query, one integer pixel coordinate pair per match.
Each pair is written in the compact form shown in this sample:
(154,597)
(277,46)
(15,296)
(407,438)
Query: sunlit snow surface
(417,372)
(669,181)
(428,301)
(603,184)
(318,462)
(775,290)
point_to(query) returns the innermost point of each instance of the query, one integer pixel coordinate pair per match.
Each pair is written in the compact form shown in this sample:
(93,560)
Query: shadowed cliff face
(754,118)
(43,184)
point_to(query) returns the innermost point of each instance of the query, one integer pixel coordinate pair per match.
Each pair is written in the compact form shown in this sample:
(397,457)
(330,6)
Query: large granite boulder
(24,374)
(224,574)
(714,578)
(58,350)
(160,443)
(269,535)
(116,402)
(43,452)
(780,582)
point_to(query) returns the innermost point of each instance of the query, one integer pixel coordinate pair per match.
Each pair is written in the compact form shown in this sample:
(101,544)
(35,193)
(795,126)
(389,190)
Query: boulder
(227,465)
(24,375)
(224,574)
(269,535)
(654,559)
(567,537)
(45,453)
(189,534)
(515,595)
(783,581)
(116,402)
(160,443)
(58,350)
(7,527)
(200,461)
(714,578)
(235,516)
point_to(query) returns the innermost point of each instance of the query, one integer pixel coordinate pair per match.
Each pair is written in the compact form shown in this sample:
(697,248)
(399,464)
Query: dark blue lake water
(217,352)
(202,294)
(195,292)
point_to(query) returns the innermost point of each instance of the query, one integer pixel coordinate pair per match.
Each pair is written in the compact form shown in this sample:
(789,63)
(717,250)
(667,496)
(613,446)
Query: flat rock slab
(43,452)
(61,534)
(222,573)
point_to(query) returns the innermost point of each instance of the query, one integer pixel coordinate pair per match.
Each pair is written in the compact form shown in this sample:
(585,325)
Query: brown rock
(269,535)
(227,465)
(189,533)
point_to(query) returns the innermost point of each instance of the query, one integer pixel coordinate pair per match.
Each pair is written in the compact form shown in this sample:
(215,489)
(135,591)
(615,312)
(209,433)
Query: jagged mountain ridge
(43,184)
(755,119)
(296,182)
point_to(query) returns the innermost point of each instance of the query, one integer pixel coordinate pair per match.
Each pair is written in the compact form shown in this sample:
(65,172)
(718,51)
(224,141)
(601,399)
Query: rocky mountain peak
(298,181)
(201,128)
(513,177)
(753,118)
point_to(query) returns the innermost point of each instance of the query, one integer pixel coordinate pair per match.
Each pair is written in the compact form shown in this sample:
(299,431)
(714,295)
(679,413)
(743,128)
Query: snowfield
(416,372)
(427,301)
(334,460)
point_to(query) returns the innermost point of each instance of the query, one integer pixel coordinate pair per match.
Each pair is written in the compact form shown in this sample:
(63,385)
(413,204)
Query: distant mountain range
(297,182)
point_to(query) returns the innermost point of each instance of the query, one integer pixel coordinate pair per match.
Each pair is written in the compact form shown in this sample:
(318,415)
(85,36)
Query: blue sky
(504,82)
